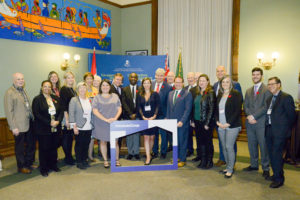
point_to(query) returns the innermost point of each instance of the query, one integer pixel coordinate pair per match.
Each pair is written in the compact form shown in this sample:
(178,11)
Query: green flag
(179,70)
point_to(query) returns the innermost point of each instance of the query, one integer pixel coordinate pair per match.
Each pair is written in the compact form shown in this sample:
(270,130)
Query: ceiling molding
(126,6)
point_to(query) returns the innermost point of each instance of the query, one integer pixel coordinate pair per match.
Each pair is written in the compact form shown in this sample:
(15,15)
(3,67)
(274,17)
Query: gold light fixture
(267,65)
(65,65)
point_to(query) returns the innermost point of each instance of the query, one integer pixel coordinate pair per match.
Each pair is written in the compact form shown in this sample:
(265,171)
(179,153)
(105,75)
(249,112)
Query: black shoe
(129,157)
(188,154)
(56,169)
(228,176)
(163,156)
(202,164)
(44,174)
(270,178)
(196,159)
(148,162)
(86,164)
(223,171)
(248,169)
(276,184)
(137,157)
(209,164)
(266,174)
(154,155)
(170,148)
(69,162)
(80,166)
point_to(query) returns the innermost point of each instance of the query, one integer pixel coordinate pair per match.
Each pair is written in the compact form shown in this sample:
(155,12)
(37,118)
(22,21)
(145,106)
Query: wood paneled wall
(7,141)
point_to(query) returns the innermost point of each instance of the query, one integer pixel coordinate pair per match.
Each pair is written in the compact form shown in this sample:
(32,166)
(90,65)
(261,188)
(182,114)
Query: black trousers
(82,145)
(48,145)
(204,139)
(275,145)
(67,142)
(25,148)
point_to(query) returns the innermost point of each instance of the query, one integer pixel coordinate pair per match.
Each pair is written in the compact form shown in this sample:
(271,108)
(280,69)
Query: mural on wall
(64,22)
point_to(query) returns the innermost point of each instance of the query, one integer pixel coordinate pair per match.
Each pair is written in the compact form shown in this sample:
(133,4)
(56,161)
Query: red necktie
(157,88)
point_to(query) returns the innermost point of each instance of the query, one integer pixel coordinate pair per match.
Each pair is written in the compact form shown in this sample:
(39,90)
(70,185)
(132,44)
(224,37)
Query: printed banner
(144,66)
(64,22)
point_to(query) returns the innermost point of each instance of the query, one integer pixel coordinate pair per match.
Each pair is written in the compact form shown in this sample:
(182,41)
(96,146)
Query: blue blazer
(163,94)
(182,108)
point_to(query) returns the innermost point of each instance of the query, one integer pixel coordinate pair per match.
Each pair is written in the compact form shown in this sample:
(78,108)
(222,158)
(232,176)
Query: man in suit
(221,72)
(163,89)
(255,108)
(170,78)
(280,117)
(19,117)
(179,107)
(129,96)
(191,83)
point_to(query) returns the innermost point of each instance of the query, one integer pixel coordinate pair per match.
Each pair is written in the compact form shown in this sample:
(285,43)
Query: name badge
(269,111)
(27,104)
(222,111)
(148,108)
(85,115)
(52,111)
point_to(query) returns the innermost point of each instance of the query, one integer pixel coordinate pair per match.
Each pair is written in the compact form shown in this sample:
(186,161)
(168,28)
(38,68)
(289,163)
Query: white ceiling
(126,2)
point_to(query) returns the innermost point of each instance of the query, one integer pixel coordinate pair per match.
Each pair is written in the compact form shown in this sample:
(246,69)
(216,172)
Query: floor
(185,183)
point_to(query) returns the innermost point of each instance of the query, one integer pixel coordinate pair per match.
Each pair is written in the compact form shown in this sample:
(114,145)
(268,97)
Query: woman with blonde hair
(66,93)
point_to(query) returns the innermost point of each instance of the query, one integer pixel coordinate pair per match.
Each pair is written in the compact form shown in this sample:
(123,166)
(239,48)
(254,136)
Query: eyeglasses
(270,84)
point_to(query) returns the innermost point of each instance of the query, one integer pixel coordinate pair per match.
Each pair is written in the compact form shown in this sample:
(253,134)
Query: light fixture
(267,65)
(65,65)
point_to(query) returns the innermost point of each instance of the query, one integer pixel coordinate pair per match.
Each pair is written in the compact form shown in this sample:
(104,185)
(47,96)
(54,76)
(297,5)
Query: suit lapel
(179,96)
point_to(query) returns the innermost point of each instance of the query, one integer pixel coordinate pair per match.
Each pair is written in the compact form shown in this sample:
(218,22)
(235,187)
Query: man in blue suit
(179,107)
(221,72)
(163,89)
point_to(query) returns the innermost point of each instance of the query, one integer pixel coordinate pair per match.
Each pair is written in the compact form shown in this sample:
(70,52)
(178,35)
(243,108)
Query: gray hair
(160,70)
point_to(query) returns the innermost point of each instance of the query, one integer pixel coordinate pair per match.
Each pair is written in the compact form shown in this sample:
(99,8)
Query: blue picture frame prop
(127,127)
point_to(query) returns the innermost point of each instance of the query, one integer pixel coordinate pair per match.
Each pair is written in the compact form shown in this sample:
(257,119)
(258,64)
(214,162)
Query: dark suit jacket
(233,108)
(41,114)
(236,86)
(283,114)
(128,106)
(182,108)
(163,94)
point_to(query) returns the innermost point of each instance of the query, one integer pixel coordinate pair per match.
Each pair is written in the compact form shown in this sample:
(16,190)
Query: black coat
(207,105)
(128,106)
(42,118)
(233,108)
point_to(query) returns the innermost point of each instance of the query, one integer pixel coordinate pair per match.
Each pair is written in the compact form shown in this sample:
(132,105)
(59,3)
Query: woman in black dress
(148,104)
(48,115)
(66,93)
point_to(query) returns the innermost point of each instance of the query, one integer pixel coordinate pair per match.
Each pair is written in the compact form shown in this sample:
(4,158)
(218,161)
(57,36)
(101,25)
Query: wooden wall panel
(7,141)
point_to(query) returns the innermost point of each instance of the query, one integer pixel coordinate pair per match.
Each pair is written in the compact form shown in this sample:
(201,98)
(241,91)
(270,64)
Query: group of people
(85,111)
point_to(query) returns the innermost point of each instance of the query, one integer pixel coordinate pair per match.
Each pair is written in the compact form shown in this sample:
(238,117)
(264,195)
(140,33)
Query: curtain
(200,29)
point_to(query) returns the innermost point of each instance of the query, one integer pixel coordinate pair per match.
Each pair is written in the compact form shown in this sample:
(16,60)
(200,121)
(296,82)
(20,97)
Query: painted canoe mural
(64,22)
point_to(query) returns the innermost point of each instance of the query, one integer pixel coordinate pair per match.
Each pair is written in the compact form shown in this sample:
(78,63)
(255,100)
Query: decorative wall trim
(125,6)
(235,39)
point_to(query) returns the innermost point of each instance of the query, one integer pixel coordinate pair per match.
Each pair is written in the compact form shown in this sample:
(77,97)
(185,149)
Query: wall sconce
(267,65)
(65,65)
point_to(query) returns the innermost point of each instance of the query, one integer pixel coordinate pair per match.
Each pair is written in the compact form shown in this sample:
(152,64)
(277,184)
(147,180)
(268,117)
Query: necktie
(157,88)
(255,90)
(175,96)
(132,92)
(271,107)
(119,90)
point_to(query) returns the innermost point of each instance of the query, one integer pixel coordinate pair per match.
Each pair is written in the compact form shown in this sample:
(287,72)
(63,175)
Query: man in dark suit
(179,107)
(170,81)
(191,84)
(280,118)
(129,96)
(163,89)
(221,72)
(255,109)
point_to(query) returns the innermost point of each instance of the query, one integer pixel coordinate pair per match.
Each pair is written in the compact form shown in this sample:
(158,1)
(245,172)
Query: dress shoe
(148,162)
(223,171)
(227,175)
(154,155)
(137,157)
(70,162)
(266,174)
(129,157)
(276,184)
(270,178)
(209,164)
(196,159)
(181,164)
(219,163)
(86,164)
(248,169)
(56,169)
(163,156)
(24,171)
(80,166)
(44,174)
(188,154)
